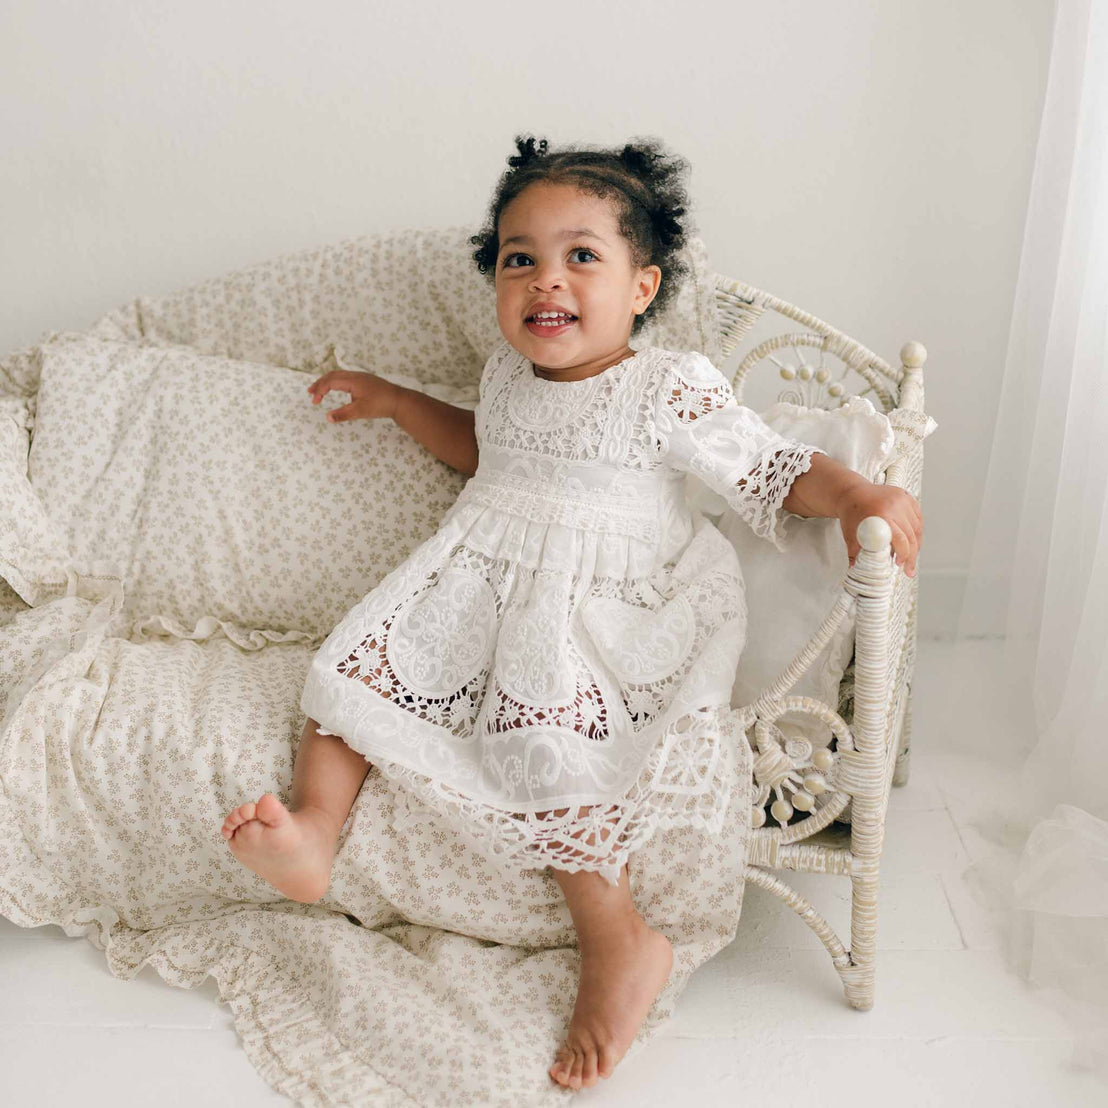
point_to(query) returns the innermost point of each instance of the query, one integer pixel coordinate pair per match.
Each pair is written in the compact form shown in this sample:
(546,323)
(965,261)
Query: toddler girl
(550,673)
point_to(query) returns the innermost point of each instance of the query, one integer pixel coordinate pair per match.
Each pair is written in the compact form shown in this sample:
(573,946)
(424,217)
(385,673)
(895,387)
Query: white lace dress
(550,673)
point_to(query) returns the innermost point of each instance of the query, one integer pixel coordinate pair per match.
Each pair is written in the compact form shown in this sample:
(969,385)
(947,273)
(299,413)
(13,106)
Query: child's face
(589,275)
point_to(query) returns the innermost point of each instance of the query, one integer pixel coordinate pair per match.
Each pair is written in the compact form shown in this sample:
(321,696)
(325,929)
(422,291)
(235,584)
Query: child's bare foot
(293,851)
(621,974)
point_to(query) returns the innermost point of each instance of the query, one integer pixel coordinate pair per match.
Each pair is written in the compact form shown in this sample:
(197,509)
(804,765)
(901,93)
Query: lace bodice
(609,453)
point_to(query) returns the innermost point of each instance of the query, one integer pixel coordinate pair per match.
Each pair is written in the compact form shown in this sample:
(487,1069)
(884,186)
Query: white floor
(765,1021)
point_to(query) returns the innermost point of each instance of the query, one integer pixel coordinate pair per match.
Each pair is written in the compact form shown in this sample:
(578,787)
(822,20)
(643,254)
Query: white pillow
(789,595)
(219,490)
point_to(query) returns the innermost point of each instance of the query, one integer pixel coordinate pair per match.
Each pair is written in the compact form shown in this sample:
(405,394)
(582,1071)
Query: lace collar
(528,370)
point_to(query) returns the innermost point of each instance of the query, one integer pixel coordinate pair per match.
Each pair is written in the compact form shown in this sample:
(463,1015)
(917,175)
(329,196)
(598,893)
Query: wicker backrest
(821,367)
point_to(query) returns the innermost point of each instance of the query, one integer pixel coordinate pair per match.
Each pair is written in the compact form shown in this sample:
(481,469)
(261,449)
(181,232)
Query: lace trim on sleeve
(712,448)
(759,496)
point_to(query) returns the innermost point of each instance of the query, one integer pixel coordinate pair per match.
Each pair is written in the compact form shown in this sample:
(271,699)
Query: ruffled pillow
(788,596)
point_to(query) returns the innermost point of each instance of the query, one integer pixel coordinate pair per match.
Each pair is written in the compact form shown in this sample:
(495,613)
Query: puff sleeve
(702,429)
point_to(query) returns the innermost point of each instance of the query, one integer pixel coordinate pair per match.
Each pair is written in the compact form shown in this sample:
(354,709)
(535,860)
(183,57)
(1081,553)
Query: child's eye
(576,250)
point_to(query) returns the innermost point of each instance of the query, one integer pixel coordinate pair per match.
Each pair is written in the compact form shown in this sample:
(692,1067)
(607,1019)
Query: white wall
(868,161)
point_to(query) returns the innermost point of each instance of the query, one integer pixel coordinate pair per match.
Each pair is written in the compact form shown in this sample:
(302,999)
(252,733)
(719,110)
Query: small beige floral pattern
(32,549)
(168,566)
(453,982)
(220,491)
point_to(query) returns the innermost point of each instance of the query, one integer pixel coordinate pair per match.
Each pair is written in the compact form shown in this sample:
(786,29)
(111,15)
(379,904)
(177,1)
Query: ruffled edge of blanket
(286,1040)
(159,626)
(103,583)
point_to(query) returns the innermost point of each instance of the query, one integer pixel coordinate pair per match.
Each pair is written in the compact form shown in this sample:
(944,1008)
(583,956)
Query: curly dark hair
(645,183)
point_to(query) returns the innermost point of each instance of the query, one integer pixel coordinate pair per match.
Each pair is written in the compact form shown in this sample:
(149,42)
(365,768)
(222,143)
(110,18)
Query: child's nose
(547,275)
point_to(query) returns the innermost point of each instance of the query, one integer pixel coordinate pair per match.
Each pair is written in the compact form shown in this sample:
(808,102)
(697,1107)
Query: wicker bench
(284,312)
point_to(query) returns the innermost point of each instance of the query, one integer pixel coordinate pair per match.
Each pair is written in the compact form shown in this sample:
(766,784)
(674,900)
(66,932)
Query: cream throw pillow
(788,596)
(219,490)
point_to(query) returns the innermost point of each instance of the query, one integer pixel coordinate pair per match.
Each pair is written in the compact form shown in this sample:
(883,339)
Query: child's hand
(371,397)
(896,506)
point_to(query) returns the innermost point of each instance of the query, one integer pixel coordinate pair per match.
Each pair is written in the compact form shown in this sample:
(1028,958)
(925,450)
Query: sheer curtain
(1039,564)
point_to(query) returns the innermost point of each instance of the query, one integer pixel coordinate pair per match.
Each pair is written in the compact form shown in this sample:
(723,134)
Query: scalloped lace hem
(688,780)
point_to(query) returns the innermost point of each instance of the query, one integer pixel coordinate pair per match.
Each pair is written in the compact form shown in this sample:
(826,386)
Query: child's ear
(650,280)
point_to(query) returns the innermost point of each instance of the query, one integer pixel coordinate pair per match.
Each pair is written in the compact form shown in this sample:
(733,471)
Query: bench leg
(904,747)
(904,744)
(858,978)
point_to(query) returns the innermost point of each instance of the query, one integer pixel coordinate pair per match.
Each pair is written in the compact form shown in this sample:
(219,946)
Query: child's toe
(575,1073)
(606,1061)
(588,1071)
(242,814)
(269,809)
(247,836)
(562,1063)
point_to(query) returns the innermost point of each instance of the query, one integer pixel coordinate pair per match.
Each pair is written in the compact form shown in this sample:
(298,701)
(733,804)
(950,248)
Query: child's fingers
(324,384)
(917,527)
(904,544)
(915,541)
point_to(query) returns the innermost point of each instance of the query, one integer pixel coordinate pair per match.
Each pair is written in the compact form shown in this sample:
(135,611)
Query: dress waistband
(634,514)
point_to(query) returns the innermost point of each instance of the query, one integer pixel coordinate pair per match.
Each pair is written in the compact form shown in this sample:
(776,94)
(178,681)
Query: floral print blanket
(118,761)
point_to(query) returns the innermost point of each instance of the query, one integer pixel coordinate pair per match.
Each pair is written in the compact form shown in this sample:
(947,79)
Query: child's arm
(831,489)
(448,432)
(702,429)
